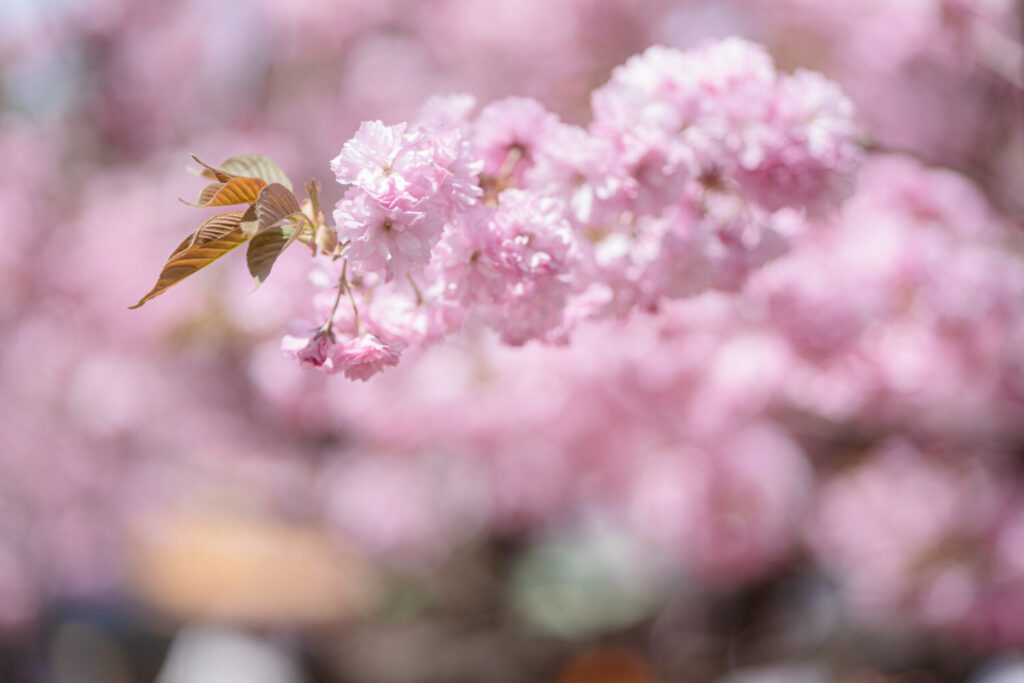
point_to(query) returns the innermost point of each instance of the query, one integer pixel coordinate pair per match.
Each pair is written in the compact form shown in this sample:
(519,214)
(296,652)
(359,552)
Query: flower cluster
(848,426)
(948,557)
(685,181)
(873,371)
(906,311)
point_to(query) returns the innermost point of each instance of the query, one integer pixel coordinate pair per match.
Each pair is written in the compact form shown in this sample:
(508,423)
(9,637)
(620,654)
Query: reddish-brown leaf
(264,249)
(249,166)
(211,172)
(209,242)
(215,228)
(275,203)
(208,193)
(234,191)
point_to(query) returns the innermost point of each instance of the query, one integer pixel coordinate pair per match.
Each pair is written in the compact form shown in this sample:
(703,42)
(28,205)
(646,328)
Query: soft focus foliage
(691,335)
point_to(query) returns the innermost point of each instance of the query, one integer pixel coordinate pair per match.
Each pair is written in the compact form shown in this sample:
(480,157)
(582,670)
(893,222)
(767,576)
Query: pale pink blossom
(901,309)
(443,120)
(508,134)
(585,171)
(386,163)
(723,115)
(315,352)
(531,248)
(391,241)
(364,356)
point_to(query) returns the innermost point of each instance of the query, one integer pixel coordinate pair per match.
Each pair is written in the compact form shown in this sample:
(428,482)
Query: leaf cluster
(271,222)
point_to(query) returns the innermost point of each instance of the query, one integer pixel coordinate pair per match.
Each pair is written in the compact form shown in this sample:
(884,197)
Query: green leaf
(234,191)
(265,247)
(209,242)
(250,166)
(275,203)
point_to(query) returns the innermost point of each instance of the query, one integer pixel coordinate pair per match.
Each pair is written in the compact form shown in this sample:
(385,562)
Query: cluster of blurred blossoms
(854,415)
(859,402)
(691,175)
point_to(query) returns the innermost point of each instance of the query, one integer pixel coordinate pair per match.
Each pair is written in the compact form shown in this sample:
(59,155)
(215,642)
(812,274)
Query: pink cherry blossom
(386,163)
(364,356)
(392,241)
(689,299)
(508,134)
(311,352)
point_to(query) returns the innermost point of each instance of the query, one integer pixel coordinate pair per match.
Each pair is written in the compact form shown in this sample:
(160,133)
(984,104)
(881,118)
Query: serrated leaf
(234,191)
(252,166)
(209,242)
(213,229)
(275,203)
(264,249)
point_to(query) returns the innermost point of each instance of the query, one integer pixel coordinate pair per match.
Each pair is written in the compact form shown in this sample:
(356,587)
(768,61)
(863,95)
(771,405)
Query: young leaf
(211,172)
(250,165)
(234,191)
(274,204)
(213,239)
(264,249)
(212,229)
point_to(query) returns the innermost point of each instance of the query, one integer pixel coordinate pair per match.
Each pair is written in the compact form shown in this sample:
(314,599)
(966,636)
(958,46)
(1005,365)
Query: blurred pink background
(818,478)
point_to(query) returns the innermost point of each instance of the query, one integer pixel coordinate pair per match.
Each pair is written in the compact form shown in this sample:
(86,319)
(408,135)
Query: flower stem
(419,295)
(351,297)
(342,287)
